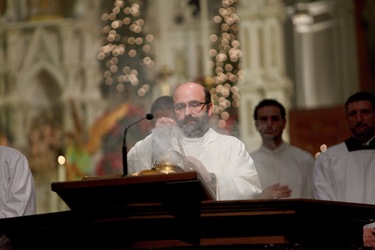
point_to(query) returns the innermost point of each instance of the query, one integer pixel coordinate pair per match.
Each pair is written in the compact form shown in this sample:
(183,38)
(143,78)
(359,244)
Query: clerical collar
(369,141)
(354,144)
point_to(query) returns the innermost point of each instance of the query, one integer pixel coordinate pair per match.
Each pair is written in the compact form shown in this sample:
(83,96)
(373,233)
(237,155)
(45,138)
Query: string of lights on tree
(126,50)
(225,56)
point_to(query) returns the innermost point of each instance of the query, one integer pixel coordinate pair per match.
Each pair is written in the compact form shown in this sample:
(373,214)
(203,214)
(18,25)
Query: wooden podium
(176,211)
(108,192)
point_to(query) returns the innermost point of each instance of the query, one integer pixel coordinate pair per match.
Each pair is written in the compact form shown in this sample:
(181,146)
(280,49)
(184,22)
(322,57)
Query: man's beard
(194,127)
(266,132)
(362,134)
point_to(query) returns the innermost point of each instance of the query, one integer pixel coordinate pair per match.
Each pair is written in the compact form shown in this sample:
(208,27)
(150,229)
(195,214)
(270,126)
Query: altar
(176,211)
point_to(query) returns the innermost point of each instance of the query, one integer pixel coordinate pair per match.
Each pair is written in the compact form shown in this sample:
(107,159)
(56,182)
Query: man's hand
(162,138)
(369,237)
(165,122)
(275,191)
(191,163)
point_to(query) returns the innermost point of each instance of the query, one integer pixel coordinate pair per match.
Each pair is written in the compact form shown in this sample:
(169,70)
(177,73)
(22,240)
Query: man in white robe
(284,170)
(348,176)
(221,160)
(17,191)
(345,172)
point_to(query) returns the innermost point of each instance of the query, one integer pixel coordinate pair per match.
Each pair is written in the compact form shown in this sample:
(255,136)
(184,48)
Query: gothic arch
(35,70)
(42,104)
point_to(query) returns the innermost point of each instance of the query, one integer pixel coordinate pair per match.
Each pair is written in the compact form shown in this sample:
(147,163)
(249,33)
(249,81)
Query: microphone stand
(148,116)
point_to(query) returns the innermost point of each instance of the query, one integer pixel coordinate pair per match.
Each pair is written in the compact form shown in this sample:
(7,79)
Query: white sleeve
(241,180)
(322,182)
(19,197)
(140,156)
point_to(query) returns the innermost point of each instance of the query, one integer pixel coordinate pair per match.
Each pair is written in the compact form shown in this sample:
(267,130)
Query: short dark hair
(269,102)
(361,96)
(164,102)
(207,95)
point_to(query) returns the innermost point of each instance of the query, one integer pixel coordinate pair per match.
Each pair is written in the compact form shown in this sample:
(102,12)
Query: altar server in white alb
(345,172)
(222,160)
(17,191)
(284,170)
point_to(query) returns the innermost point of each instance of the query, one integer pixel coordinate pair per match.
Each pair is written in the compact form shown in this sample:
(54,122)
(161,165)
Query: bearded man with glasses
(222,160)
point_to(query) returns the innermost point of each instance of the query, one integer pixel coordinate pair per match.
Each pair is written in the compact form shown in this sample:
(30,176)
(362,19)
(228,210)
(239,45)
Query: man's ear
(284,124)
(256,126)
(210,108)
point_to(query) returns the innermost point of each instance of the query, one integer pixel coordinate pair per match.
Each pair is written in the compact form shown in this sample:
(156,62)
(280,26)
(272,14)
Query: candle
(61,170)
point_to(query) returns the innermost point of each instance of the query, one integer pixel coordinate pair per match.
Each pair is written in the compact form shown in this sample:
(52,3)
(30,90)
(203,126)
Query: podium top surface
(116,191)
(115,180)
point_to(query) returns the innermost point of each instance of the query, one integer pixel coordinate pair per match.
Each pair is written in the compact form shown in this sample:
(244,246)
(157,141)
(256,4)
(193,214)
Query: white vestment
(340,175)
(17,191)
(223,156)
(286,165)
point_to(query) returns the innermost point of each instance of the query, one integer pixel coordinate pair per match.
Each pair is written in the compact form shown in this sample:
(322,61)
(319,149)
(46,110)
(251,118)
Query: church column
(71,89)
(205,28)
(325,52)
(163,22)
(262,37)
(305,73)
(93,101)
(12,102)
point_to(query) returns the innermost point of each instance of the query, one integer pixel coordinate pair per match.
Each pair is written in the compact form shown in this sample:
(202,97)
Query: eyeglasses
(194,106)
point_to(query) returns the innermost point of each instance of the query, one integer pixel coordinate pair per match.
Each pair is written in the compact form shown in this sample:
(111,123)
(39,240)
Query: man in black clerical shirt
(345,172)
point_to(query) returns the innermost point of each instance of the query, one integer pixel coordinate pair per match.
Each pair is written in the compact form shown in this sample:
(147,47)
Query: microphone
(148,116)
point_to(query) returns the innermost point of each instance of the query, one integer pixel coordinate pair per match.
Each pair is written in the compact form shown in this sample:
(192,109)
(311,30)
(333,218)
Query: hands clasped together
(276,191)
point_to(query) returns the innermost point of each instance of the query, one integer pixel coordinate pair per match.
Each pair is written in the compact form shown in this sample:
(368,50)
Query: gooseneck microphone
(148,116)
